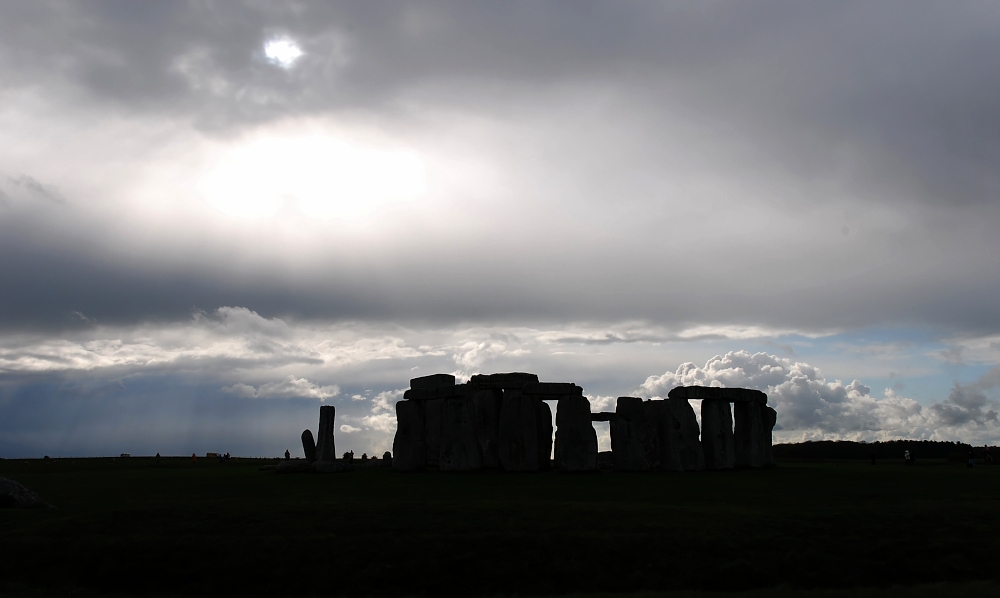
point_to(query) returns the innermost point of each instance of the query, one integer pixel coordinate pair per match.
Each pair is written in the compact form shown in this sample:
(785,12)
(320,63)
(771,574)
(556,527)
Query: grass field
(126,527)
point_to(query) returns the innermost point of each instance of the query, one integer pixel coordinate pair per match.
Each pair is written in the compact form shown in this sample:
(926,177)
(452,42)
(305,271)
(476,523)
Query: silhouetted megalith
(512,380)
(325,447)
(634,440)
(576,439)
(769,417)
(717,434)
(439,392)
(433,381)
(486,405)
(748,434)
(518,446)
(432,430)
(552,389)
(408,446)
(308,446)
(459,445)
(680,444)
(733,395)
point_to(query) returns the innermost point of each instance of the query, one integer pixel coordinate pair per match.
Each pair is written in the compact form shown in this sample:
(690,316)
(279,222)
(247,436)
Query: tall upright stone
(748,434)
(486,405)
(518,446)
(680,444)
(543,423)
(769,417)
(409,449)
(634,441)
(432,430)
(576,439)
(459,444)
(308,446)
(717,434)
(326,449)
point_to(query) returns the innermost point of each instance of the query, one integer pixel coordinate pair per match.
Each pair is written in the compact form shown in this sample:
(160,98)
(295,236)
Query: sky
(217,216)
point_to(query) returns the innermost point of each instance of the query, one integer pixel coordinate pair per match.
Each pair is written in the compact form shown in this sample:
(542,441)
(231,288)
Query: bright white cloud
(349,429)
(811,407)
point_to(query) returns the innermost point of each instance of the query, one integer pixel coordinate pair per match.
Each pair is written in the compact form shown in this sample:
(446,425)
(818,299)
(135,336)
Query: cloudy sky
(217,216)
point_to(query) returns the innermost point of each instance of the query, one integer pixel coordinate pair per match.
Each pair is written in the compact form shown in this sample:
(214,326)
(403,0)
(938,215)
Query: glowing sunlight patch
(282,52)
(319,177)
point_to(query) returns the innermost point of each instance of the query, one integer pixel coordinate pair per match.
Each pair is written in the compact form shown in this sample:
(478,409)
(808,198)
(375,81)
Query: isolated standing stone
(408,446)
(325,447)
(543,424)
(680,445)
(518,432)
(308,446)
(634,439)
(459,445)
(717,434)
(432,430)
(576,439)
(486,405)
(769,417)
(747,434)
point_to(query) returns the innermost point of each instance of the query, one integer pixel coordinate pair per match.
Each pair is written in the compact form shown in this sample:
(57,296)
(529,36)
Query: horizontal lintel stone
(433,381)
(732,395)
(603,416)
(515,380)
(552,389)
(457,391)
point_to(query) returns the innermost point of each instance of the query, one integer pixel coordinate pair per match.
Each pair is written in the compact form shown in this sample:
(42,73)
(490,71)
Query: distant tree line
(890,449)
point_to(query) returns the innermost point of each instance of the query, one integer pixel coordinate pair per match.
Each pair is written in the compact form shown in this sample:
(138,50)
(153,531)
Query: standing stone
(576,439)
(634,441)
(717,434)
(747,434)
(459,445)
(543,423)
(432,431)
(680,445)
(409,448)
(325,447)
(486,405)
(308,446)
(769,417)
(518,432)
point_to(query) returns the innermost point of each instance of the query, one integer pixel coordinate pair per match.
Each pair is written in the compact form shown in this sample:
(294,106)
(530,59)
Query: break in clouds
(593,192)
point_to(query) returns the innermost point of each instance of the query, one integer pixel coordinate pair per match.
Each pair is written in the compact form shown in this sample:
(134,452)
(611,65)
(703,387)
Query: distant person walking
(194,458)
(157,459)
(906,456)
(972,457)
(288,455)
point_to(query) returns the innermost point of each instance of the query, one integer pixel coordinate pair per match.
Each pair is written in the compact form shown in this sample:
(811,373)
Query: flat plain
(816,528)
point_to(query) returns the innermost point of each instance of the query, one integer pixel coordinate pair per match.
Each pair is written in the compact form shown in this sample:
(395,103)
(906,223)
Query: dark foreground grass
(125,527)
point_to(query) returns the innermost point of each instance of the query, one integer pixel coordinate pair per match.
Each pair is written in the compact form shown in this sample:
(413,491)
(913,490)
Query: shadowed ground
(124,526)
